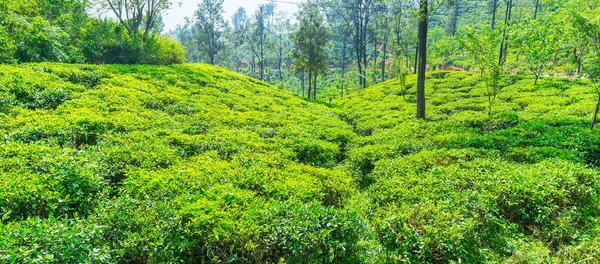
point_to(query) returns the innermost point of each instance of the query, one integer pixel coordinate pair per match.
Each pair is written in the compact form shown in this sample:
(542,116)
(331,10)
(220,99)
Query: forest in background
(354,44)
(66,31)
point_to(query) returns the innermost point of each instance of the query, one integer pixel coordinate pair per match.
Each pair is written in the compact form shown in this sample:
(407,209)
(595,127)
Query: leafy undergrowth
(196,164)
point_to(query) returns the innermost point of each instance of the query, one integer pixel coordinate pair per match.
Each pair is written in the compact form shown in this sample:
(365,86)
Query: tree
(257,37)
(424,16)
(504,45)
(453,18)
(493,11)
(483,46)
(401,74)
(422,36)
(341,40)
(281,31)
(538,44)
(310,39)
(593,72)
(186,35)
(404,30)
(133,13)
(209,28)
(358,15)
(590,30)
(239,22)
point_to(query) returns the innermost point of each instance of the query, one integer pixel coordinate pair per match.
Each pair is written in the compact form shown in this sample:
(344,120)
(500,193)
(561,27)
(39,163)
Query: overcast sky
(177,14)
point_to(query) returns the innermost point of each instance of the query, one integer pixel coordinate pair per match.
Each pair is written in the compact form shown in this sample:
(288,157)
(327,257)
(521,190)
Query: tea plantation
(197,164)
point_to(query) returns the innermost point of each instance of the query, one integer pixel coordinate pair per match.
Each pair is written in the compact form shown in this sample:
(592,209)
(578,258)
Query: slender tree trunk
(416,58)
(406,54)
(365,62)
(309,83)
(494,10)
(315,85)
(237,61)
(537,5)
(253,64)
(364,26)
(383,60)
(555,60)
(302,83)
(503,44)
(579,57)
(261,58)
(280,57)
(344,62)
(357,48)
(489,105)
(454,19)
(595,114)
(423,21)
(375,57)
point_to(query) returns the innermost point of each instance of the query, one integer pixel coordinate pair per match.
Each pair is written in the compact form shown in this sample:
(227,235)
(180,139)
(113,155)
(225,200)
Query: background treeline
(371,41)
(64,31)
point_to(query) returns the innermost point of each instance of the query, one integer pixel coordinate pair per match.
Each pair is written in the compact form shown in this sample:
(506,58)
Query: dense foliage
(44,31)
(195,163)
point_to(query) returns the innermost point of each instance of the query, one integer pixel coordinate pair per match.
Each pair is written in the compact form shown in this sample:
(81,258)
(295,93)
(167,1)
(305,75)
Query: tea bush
(197,164)
(519,185)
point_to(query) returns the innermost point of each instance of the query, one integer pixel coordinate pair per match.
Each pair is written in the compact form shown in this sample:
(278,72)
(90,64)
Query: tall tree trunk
(494,10)
(454,19)
(423,21)
(315,85)
(537,5)
(302,83)
(253,63)
(416,58)
(365,32)
(262,57)
(579,57)
(375,57)
(357,49)
(343,66)
(309,83)
(504,44)
(595,114)
(365,62)
(280,57)
(383,60)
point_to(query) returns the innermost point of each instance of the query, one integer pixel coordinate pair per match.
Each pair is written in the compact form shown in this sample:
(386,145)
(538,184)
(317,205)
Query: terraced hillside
(197,164)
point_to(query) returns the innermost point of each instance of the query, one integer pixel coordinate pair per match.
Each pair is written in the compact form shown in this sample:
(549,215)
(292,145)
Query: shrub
(168,51)
(300,233)
(41,181)
(53,240)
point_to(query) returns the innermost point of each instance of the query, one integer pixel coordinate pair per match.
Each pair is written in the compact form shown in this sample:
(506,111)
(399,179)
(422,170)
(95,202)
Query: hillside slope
(153,164)
(520,185)
(197,164)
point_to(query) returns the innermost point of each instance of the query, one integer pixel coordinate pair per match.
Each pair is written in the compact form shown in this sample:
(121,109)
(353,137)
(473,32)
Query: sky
(176,15)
